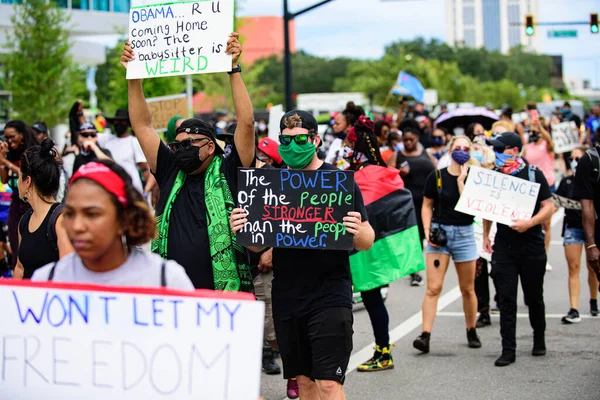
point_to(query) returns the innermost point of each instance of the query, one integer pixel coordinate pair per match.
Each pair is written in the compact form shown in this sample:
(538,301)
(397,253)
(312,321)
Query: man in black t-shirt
(587,189)
(519,252)
(312,289)
(87,140)
(198,185)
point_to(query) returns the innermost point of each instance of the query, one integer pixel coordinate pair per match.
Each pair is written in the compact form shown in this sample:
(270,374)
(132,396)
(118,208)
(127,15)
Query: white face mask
(573,165)
(262,127)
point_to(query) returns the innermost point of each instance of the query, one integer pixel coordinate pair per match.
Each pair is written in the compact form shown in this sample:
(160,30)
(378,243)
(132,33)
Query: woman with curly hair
(106,219)
(396,252)
(341,126)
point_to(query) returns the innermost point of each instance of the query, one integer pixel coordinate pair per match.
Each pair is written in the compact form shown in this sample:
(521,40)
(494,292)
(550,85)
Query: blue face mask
(565,111)
(438,141)
(461,157)
(478,155)
(501,159)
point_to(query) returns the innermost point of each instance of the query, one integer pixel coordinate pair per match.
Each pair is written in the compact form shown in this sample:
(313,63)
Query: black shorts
(317,345)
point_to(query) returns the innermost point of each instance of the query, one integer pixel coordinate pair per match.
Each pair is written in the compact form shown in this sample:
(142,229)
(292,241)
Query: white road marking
(519,315)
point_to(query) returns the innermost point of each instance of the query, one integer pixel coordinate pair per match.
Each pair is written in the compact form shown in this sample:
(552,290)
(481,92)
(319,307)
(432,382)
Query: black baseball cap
(307,121)
(196,126)
(506,140)
(40,127)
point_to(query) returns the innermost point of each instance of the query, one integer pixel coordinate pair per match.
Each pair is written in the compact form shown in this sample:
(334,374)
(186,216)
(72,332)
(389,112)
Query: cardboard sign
(165,108)
(63,341)
(179,38)
(497,197)
(565,137)
(568,204)
(296,209)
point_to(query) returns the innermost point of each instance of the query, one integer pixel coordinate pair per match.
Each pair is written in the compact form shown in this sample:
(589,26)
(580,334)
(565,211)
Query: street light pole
(287,56)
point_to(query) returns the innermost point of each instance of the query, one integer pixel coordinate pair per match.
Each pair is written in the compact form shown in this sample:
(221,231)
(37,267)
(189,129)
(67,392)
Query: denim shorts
(461,243)
(573,236)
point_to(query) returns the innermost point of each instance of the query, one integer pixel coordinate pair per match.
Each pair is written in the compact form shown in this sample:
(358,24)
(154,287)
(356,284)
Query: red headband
(104,177)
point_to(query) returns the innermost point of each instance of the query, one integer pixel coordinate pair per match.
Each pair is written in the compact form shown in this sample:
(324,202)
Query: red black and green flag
(397,249)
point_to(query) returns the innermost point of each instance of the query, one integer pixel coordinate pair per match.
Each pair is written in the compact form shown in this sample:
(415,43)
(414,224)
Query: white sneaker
(548,267)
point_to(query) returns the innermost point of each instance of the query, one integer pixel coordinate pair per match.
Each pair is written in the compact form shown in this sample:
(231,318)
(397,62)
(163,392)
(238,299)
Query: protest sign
(565,136)
(166,107)
(179,38)
(497,197)
(566,203)
(63,341)
(296,209)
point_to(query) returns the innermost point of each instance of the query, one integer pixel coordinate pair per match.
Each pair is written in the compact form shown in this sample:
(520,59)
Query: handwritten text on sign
(296,209)
(64,342)
(497,197)
(565,136)
(163,109)
(179,38)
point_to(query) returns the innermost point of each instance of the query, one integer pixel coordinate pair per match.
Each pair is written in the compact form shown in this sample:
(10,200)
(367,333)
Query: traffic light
(529,25)
(594,23)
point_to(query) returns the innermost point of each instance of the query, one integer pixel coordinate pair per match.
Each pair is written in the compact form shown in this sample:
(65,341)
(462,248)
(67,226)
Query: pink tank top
(537,154)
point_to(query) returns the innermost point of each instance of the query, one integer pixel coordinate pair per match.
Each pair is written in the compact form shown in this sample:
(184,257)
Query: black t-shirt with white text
(306,280)
(188,228)
(532,240)
(587,187)
(450,196)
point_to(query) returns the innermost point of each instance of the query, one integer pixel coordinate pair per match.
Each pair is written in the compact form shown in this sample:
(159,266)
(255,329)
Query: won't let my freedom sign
(296,208)
(179,38)
(61,341)
(497,197)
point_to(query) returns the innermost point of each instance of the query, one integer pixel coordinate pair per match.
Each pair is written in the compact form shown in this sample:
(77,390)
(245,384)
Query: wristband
(263,251)
(591,246)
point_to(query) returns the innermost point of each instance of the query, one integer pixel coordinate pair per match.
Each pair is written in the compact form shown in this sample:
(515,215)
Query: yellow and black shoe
(381,360)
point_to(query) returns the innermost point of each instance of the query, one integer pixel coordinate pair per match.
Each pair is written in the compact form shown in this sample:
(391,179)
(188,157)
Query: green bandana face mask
(297,156)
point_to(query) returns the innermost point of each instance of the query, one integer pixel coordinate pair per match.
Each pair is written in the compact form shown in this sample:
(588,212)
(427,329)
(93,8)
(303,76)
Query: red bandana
(104,177)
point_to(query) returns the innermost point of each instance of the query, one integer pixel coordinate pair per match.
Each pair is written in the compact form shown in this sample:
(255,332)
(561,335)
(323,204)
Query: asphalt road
(570,370)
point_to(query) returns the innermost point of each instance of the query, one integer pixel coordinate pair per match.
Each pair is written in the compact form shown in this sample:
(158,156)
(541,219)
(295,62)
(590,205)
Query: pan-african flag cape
(397,249)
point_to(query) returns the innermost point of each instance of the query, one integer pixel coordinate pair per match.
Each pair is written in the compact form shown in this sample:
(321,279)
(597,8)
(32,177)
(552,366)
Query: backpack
(595,157)
(531,172)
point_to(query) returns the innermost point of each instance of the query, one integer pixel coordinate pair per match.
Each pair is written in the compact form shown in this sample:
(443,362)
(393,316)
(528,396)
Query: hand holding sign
(352,223)
(234,48)
(238,219)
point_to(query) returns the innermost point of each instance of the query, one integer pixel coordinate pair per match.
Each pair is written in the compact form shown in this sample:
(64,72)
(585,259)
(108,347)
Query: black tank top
(36,250)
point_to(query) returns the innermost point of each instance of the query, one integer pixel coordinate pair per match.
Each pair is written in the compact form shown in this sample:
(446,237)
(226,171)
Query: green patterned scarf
(230,267)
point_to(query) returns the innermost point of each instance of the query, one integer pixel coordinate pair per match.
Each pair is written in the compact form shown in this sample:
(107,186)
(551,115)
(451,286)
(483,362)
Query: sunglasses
(302,138)
(458,148)
(574,158)
(88,134)
(184,144)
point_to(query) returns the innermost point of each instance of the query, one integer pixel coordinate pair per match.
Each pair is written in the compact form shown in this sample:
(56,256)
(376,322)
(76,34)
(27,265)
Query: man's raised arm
(139,114)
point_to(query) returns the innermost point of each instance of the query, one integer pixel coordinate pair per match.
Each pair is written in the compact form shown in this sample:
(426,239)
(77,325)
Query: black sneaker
(473,339)
(483,320)
(539,345)
(421,343)
(572,317)
(505,359)
(594,308)
(268,363)
(416,280)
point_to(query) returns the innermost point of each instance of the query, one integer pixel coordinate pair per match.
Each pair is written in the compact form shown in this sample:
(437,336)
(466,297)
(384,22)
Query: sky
(362,28)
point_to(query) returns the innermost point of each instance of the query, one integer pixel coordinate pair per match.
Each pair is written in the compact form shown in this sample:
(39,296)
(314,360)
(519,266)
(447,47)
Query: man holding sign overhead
(312,288)
(519,252)
(197,184)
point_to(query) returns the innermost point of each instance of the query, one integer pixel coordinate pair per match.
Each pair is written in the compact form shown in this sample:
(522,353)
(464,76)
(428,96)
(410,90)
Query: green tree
(38,63)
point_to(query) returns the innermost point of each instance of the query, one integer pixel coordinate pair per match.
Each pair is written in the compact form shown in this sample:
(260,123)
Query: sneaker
(572,317)
(382,359)
(594,308)
(539,345)
(483,320)
(269,366)
(495,311)
(421,343)
(505,359)
(293,392)
(473,339)
(416,280)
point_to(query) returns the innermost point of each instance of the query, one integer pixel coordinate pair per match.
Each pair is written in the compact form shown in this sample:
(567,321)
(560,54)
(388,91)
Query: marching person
(312,289)
(519,252)
(573,242)
(449,233)
(105,218)
(198,185)
(42,238)
(341,126)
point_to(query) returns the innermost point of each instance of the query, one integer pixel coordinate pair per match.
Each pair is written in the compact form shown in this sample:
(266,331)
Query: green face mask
(297,156)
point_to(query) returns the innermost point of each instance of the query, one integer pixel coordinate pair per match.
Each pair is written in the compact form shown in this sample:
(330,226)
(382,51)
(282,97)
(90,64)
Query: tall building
(493,24)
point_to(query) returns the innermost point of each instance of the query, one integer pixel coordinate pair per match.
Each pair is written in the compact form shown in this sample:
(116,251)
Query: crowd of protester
(85,212)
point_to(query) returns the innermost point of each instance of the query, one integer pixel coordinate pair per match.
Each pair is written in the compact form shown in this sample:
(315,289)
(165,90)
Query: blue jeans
(461,244)
(573,236)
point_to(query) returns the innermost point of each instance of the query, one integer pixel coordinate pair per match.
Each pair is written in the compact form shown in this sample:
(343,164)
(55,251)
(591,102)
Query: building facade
(492,24)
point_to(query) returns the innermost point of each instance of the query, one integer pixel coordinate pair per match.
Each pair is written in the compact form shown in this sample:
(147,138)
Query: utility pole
(287,56)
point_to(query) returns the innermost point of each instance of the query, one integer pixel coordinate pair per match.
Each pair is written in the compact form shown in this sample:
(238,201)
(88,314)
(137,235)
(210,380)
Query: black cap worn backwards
(506,140)
(307,121)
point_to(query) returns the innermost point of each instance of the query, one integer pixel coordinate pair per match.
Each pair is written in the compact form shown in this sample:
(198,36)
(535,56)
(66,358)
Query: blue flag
(408,85)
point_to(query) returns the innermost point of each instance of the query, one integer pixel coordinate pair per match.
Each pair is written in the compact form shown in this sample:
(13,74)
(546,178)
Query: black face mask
(188,160)
(533,138)
(121,129)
